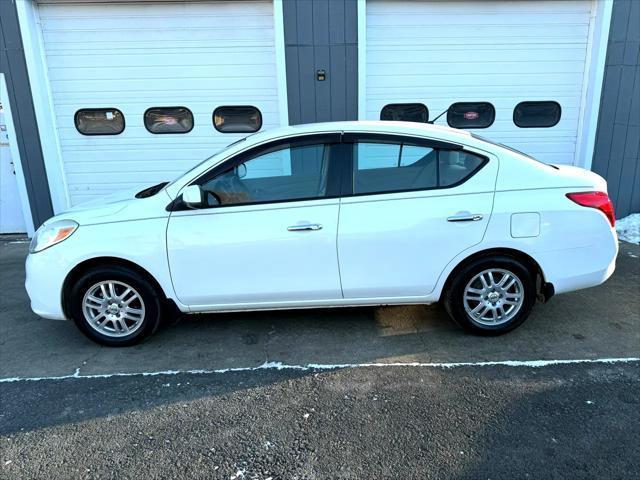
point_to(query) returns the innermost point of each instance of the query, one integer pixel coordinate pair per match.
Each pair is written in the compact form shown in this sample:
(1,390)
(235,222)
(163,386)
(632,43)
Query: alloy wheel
(113,308)
(493,297)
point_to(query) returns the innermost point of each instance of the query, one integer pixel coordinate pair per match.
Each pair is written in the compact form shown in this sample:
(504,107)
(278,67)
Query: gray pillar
(321,50)
(14,67)
(617,150)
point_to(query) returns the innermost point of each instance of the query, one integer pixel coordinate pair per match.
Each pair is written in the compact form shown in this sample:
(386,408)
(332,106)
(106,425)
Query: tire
(137,312)
(469,310)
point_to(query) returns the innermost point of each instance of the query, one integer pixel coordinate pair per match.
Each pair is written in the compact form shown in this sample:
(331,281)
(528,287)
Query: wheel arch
(544,288)
(86,265)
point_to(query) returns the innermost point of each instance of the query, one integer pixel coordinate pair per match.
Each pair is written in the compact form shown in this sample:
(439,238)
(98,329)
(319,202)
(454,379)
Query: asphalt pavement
(174,407)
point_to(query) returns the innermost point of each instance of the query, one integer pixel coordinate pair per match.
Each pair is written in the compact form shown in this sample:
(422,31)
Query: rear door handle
(305,226)
(465,218)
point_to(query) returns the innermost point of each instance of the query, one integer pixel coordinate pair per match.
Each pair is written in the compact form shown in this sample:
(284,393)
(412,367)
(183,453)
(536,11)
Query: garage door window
(405,112)
(471,115)
(397,167)
(99,121)
(168,120)
(237,119)
(536,114)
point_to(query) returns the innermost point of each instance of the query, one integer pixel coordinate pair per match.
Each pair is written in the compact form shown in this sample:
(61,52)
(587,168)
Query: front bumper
(45,274)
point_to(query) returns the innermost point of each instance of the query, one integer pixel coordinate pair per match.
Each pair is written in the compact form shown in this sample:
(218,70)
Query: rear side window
(454,166)
(537,114)
(471,115)
(168,120)
(396,167)
(99,121)
(405,112)
(237,119)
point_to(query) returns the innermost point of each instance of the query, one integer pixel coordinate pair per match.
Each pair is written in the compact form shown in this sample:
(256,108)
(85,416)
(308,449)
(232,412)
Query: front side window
(405,112)
(396,167)
(287,173)
(537,114)
(99,121)
(168,120)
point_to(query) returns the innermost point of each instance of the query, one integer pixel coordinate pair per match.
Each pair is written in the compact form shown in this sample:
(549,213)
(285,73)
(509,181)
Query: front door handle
(465,218)
(305,226)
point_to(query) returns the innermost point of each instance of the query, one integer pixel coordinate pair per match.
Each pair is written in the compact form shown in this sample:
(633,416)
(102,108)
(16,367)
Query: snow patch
(330,366)
(628,228)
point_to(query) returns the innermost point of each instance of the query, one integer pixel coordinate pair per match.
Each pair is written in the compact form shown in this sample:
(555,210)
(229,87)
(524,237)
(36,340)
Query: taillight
(599,200)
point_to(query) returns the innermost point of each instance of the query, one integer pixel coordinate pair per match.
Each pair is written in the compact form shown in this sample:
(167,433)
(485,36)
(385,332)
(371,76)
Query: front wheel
(115,306)
(491,295)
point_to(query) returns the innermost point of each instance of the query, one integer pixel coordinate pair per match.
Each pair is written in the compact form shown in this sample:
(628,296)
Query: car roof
(378,126)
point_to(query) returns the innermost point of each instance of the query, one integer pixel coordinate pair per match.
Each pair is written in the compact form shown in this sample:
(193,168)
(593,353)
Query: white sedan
(328,215)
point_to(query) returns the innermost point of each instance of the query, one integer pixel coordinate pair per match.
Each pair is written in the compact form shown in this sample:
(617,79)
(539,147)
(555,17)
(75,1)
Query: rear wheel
(115,306)
(491,295)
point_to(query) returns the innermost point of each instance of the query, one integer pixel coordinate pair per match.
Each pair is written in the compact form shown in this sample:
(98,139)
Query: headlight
(49,235)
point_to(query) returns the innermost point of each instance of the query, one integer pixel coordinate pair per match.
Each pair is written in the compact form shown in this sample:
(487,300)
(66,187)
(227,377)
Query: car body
(334,214)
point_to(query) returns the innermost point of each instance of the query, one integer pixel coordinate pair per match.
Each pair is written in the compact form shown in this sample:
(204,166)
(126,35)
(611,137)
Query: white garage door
(502,52)
(134,56)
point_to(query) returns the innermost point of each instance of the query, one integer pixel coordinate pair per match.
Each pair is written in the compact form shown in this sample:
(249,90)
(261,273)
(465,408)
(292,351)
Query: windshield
(506,147)
(207,159)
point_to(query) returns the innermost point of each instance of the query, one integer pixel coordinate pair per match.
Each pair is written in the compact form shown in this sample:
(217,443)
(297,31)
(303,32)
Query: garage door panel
(158,71)
(380,17)
(116,85)
(244,36)
(143,58)
(484,34)
(138,21)
(502,52)
(495,7)
(416,67)
(444,80)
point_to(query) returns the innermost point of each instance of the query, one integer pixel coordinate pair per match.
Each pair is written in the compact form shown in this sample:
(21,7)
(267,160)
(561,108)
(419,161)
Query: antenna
(431,121)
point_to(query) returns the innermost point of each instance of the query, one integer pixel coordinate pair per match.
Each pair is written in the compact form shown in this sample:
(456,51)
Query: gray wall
(13,65)
(616,156)
(321,34)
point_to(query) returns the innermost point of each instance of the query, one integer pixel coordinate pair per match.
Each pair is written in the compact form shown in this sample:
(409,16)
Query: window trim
(355,137)
(439,145)
(335,171)
(144,121)
(493,118)
(213,118)
(404,103)
(101,109)
(534,102)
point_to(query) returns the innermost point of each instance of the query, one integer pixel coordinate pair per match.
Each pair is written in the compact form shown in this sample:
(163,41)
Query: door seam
(337,249)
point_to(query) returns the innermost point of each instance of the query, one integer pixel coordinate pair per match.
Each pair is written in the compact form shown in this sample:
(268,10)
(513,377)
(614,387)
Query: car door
(267,234)
(414,205)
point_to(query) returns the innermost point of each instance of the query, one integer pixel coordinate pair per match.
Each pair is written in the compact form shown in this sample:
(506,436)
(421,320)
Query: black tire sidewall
(454,302)
(138,282)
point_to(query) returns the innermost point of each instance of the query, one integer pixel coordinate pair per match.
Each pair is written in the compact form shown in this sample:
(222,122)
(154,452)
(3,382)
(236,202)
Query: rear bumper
(582,267)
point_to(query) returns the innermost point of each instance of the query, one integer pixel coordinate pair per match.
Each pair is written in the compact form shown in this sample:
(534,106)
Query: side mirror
(241,170)
(192,196)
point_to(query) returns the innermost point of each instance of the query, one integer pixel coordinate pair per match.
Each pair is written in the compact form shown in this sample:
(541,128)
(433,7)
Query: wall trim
(362,59)
(15,157)
(594,75)
(281,66)
(35,58)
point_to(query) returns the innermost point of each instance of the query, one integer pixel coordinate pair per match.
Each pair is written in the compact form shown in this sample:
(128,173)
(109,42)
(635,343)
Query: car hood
(117,207)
